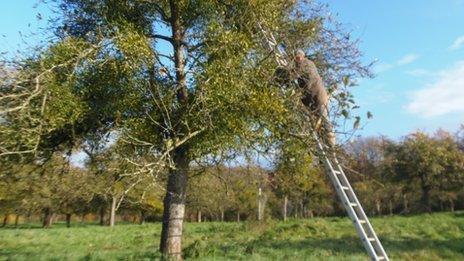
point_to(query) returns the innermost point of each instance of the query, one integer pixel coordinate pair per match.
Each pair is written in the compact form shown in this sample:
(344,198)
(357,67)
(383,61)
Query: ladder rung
(337,172)
(380,258)
(345,188)
(362,221)
(371,239)
(353,204)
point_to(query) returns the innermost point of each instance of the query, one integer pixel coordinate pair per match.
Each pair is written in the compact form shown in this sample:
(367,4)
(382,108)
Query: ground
(422,237)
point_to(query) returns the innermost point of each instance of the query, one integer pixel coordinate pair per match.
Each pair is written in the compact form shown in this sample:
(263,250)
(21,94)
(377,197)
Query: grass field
(423,237)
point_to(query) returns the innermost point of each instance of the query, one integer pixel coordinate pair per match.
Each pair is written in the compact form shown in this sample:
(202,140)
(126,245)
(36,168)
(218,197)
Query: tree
(428,163)
(106,72)
(300,180)
(450,184)
(367,163)
(208,193)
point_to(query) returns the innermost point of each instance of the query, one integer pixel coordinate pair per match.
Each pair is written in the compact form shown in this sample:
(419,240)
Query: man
(315,96)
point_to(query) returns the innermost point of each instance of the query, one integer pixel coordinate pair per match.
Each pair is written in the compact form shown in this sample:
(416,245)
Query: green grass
(423,237)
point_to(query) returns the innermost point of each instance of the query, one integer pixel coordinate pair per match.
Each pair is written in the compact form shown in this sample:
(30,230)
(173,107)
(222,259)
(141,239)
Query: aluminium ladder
(337,176)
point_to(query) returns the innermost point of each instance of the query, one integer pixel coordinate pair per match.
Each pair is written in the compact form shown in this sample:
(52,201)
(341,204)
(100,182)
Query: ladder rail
(271,43)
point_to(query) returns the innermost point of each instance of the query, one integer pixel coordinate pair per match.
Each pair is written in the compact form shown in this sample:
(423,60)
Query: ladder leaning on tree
(337,176)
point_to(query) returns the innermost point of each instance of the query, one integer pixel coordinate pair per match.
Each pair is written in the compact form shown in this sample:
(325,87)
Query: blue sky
(419,46)
(21,16)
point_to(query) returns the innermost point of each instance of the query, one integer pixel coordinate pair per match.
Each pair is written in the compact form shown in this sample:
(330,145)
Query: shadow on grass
(346,246)
(61,224)
(142,255)
(56,225)
(22,226)
(440,246)
(32,255)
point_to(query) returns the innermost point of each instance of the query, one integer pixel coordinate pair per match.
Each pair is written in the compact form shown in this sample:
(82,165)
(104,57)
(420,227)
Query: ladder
(337,176)
(351,203)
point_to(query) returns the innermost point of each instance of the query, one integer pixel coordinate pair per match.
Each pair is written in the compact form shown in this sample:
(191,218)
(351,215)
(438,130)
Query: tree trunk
(377,207)
(238,216)
(102,215)
(83,218)
(425,198)
(47,221)
(405,204)
(174,207)
(390,207)
(28,217)
(142,217)
(451,201)
(199,216)
(302,210)
(5,220)
(311,213)
(174,200)
(16,220)
(68,220)
(284,210)
(222,215)
(112,211)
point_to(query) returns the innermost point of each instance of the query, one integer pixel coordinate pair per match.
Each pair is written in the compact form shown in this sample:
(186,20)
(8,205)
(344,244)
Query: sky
(20,27)
(419,49)
(418,46)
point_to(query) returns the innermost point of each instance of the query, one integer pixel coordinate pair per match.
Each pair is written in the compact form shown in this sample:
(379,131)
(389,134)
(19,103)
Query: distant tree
(208,194)
(429,163)
(367,162)
(50,187)
(118,182)
(300,180)
(243,185)
(451,184)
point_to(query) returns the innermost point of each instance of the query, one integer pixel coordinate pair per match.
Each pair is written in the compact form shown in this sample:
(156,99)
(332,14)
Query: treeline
(56,189)
(420,173)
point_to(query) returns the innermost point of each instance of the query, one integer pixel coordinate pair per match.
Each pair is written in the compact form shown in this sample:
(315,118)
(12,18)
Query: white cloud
(375,95)
(444,96)
(382,67)
(457,44)
(418,72)
(407,59)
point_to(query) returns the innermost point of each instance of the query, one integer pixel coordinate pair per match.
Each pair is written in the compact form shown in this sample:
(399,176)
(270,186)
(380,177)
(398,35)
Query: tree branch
(163,37)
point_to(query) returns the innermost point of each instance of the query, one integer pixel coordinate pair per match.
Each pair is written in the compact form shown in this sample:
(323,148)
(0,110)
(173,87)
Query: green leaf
(346,80)
(356,122)
(369,115)
(345,113)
